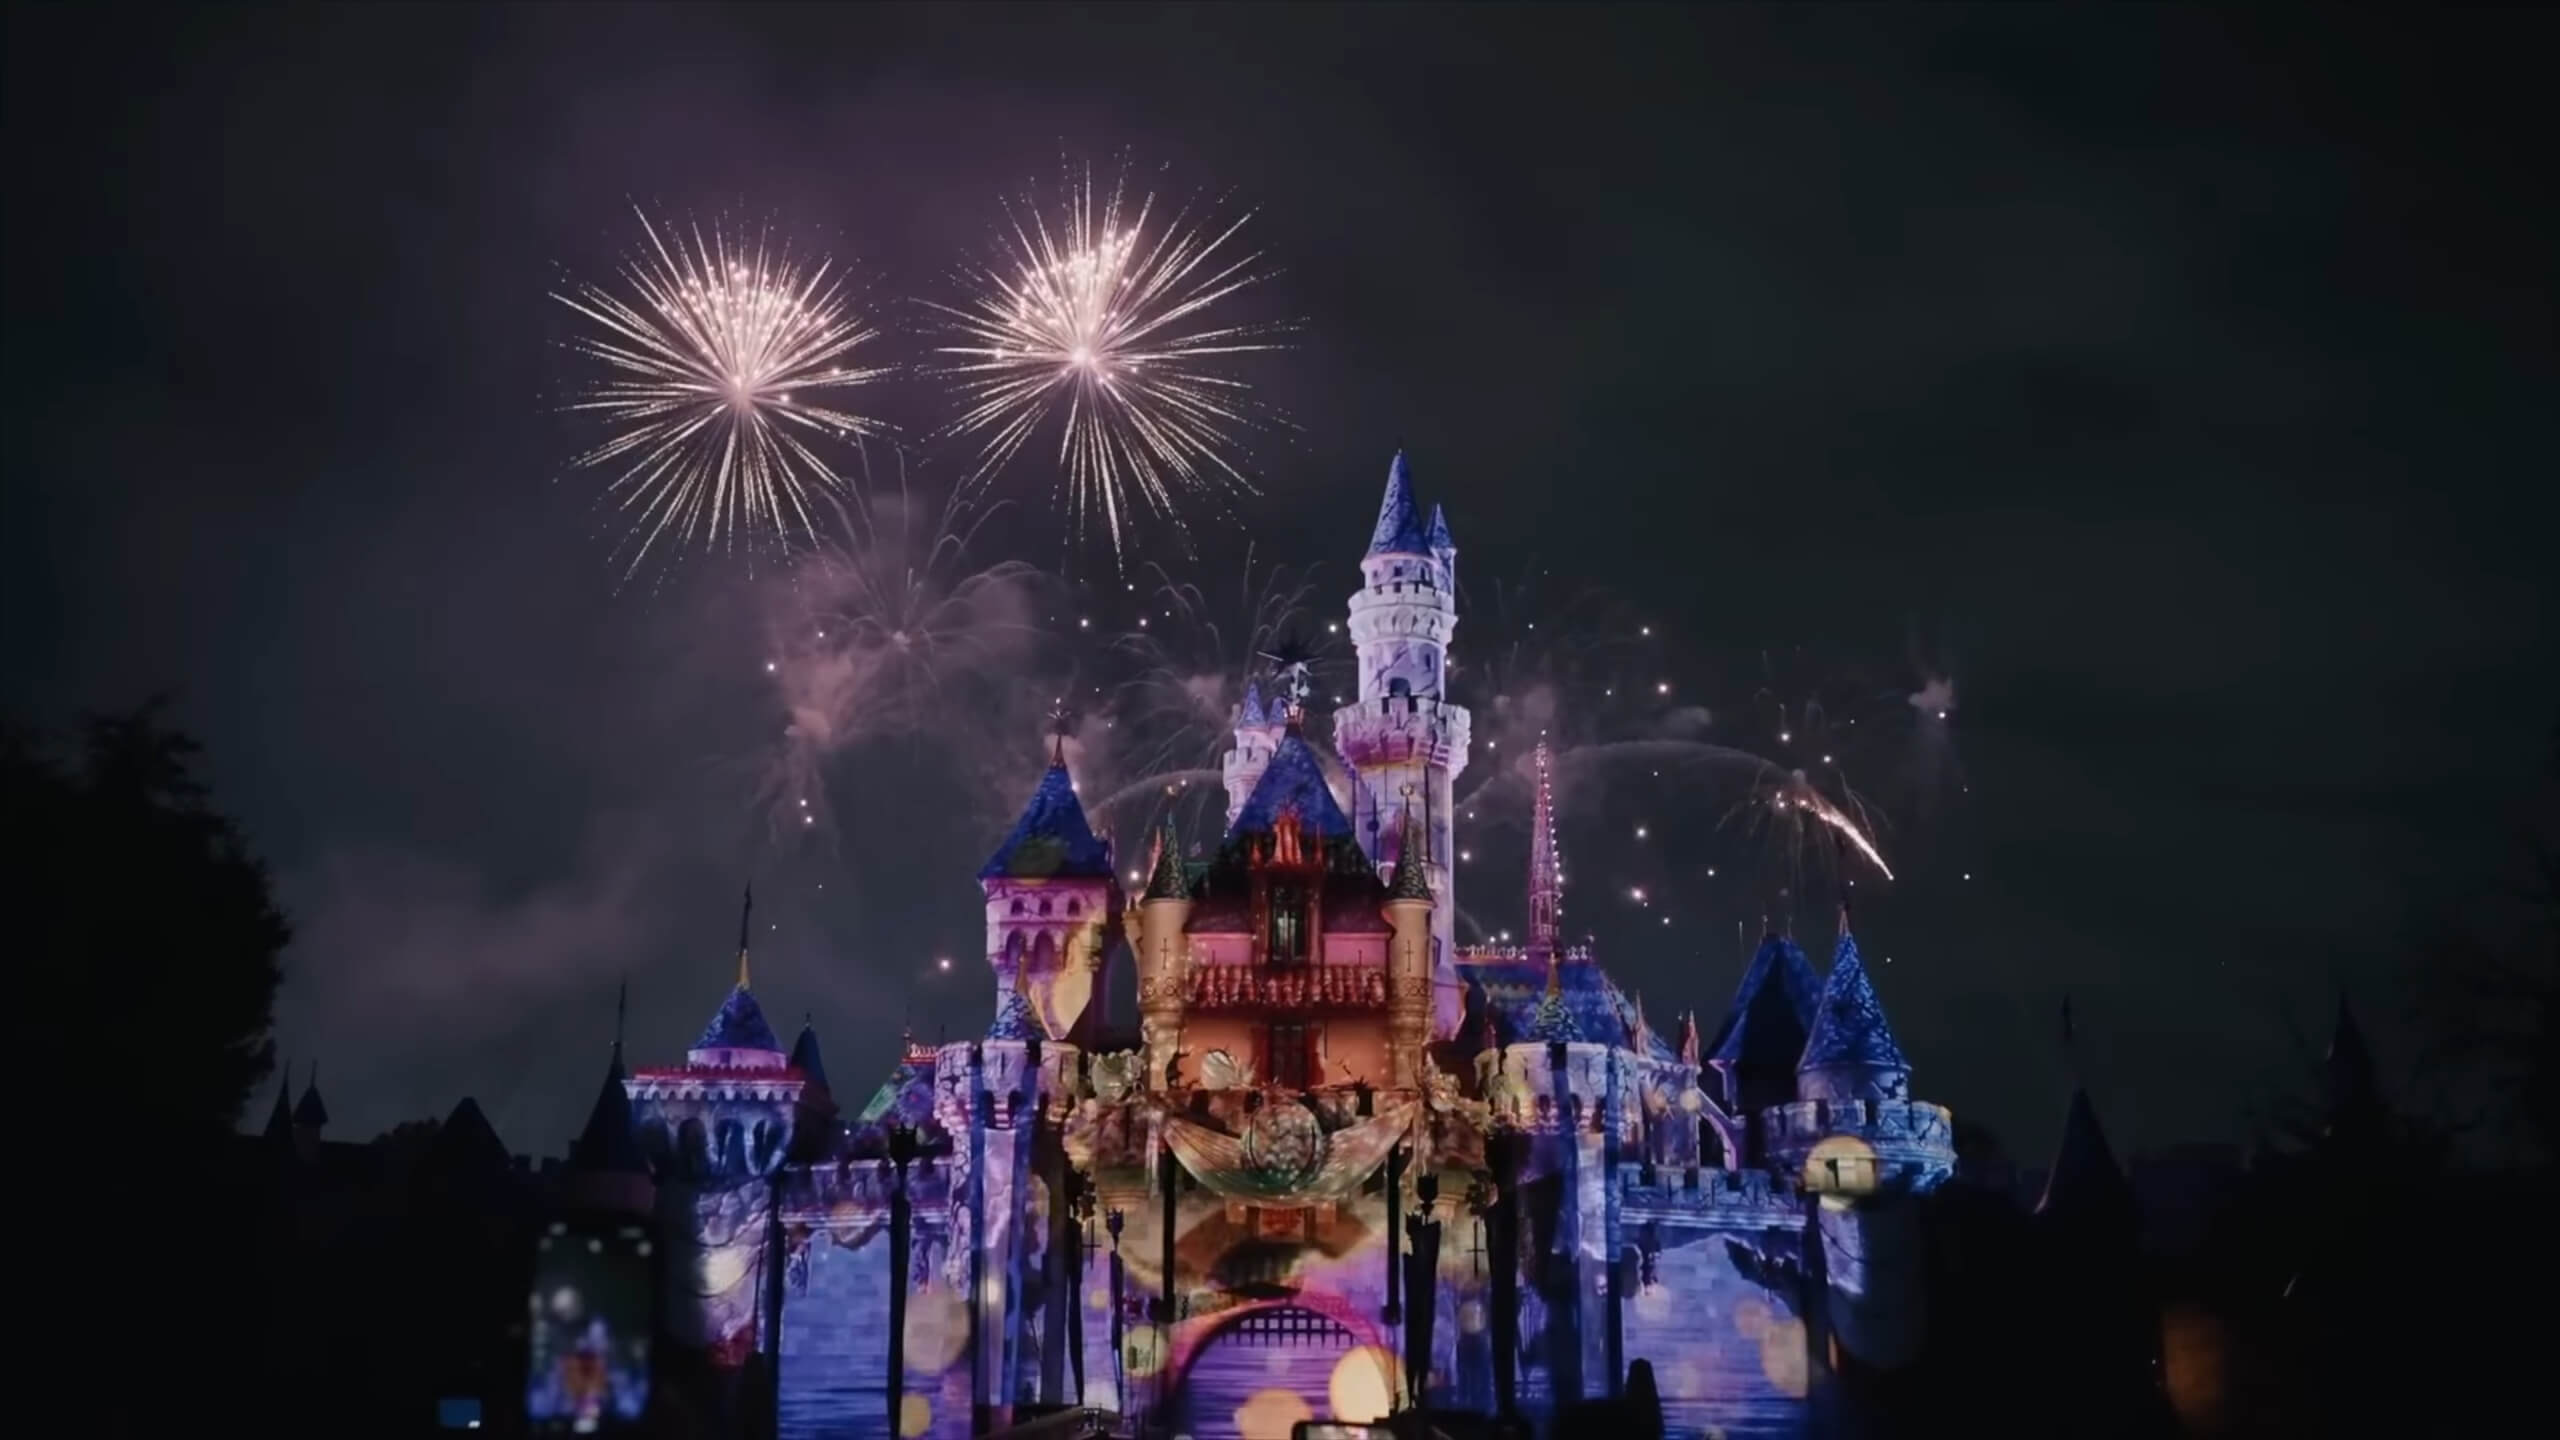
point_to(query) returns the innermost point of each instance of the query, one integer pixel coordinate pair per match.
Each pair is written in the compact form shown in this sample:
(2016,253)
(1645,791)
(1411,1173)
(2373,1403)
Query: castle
(1342,1164)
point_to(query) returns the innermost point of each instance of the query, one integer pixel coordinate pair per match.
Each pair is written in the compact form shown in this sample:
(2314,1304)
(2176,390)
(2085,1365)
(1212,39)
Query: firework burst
(897,634)
(1101,322)
(725,363)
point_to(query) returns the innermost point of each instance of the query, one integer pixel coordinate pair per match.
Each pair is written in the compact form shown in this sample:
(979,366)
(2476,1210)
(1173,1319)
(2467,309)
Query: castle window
(1017,905)
(1286,941)
(1044,907)
(1287,1050)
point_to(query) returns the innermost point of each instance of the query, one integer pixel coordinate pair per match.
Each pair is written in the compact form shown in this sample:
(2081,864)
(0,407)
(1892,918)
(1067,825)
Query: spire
(2085,1183)
(1546,875)
(746,911)
(310,1112)
(280,1119)
(1051,839)
(1851,1043)
(1399,529)
(1249,715)
(1438,535)
(1639,1034)
(1167,882)
(1412,877)
(804,1053)
(1689,1037)
(1062,723)
(605,1146)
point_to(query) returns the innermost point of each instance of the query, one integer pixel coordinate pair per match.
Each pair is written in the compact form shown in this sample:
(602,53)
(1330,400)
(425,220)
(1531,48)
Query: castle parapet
(1855,1147)
(853,1191)
(1730,1199)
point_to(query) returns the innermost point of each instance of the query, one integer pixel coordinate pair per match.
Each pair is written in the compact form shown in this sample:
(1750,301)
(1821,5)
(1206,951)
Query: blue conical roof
(1250,713)
(1399,529)
(1772,1008)
(1052,839)
(280,1119)
(1439,533)
(1848,1022)
(739,1024)
(805,1057)
(1294,779)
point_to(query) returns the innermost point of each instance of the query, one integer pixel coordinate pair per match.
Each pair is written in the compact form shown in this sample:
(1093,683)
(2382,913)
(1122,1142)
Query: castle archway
(1264,1366)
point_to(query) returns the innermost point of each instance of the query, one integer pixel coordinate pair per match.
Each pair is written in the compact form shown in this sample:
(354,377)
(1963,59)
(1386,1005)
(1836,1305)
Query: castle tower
(1546,873)
(1258,733)
(1405,743)
(714,1131)
(1409,997)
(1049,898)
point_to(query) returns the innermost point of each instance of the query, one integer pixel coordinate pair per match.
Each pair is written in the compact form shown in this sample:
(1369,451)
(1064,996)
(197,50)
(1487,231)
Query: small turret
(1851,1054)
(1553,1023)
(738,1037)
(2351,1100)
(1050,900)
(1546,870)
(310,1113)
(1688,1044)
(1257,735)
(1756,1050)
(1164,915)
(1409,995)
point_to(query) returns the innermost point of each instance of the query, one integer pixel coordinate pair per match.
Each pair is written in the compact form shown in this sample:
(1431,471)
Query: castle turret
(1405,742)
(280,1118)
(605,1169)
(1853,1129)
(1049,896)
(1257,733)
(1408,909)
(310,1114)
(714,1130)
(1163,955)
(1754,1053)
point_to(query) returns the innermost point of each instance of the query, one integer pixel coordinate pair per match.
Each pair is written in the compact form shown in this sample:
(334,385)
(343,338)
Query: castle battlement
(1393,729)
(1736,1199)
(859,1190)
(1853,1146)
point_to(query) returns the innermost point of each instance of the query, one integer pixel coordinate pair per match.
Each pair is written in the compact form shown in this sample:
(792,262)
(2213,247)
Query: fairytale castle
(1340,1165)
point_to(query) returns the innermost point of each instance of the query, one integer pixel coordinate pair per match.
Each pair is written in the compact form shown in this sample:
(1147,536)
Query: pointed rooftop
(605,1146)
(280,1119)
(1437,536)
(1016,1019)
(467,1143)
(1412,877)
(805,1057)
(310,1112)
(1294,779)
(1399,529)
(1772,1009)
(1554,1022)
(1052,839)
(1170,879)
(1849,1029)
(2085,1182)
(1250,715)
(1546,872)
(739,1024)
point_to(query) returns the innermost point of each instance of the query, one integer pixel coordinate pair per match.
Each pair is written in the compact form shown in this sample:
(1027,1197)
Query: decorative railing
(1749,1196)
(1297,987)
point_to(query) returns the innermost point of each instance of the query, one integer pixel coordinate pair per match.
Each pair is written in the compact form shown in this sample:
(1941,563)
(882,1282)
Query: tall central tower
(1405,743)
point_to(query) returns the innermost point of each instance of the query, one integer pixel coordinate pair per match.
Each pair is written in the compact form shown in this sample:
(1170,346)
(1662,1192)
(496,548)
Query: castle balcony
(1305,988)
(1582,954)
(1709,1199)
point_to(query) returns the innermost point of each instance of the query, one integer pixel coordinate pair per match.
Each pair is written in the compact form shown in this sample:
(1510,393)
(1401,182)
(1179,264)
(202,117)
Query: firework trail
(724,366)
(898,633)
(1107,323)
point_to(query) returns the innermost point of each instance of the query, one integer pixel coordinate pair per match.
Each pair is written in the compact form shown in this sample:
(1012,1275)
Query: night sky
(2177,386)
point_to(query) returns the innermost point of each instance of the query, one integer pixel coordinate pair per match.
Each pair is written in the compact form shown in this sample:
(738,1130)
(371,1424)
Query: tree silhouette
(154,940)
